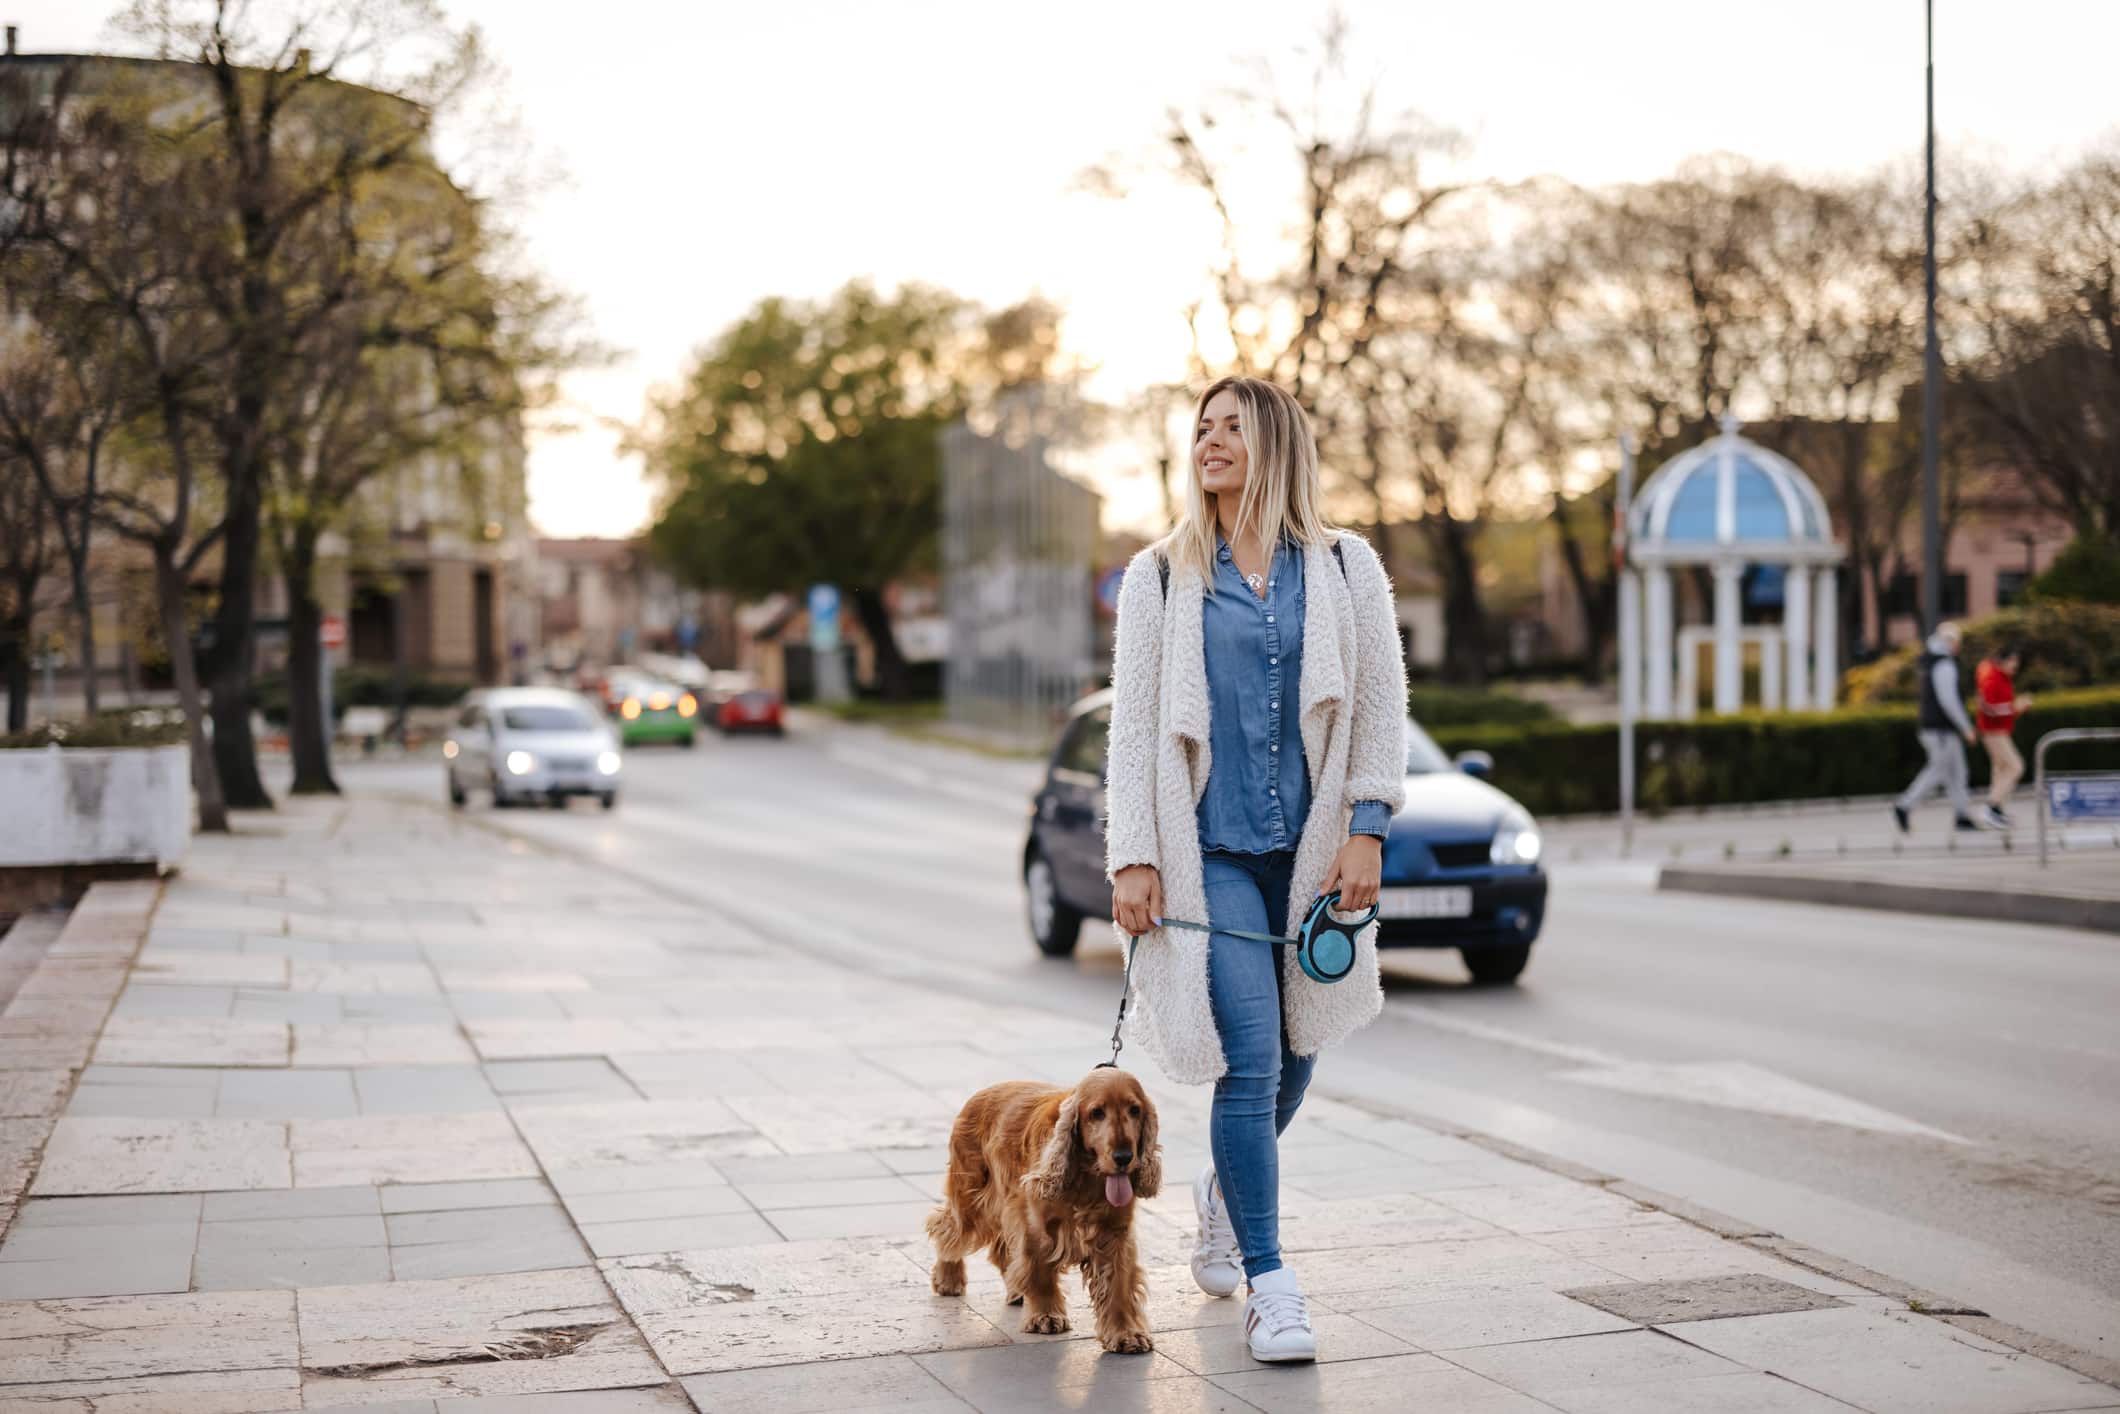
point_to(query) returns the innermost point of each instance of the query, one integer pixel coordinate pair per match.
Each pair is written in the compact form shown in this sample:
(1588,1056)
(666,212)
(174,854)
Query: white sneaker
(1276,1321)
(1217,1261)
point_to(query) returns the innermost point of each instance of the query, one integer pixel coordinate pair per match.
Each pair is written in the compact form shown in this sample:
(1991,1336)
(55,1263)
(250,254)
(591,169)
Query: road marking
(1737,1085)
(1740,1085)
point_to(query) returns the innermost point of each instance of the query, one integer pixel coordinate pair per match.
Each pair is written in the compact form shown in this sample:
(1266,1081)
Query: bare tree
(2039,304)
(26,556)
(284,133)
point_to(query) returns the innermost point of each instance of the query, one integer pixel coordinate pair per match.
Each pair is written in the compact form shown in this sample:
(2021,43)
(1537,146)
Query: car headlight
(521,763)
(607,762)
(687,705)
(449,751)
(630,708)
(1516,842)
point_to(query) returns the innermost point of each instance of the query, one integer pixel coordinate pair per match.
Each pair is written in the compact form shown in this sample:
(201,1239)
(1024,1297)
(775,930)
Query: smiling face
(1220,460)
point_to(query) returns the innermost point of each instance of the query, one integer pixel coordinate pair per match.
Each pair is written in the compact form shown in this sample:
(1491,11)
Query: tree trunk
(891,681)
(205,776)
(1593,596)
(14,657)
(235,748)
(85,615)
(1464,617)
(308,729)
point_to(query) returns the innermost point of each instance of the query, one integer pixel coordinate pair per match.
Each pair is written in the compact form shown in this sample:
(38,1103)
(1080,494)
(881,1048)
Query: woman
(1258,751)
(1996,682)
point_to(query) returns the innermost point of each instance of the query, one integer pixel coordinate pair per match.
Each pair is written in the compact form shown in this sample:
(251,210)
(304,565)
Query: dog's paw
(1054,1323)
(948,1278)
(1127,1342)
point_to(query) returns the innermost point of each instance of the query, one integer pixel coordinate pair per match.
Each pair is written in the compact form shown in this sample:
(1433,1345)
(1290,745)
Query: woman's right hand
(1137,898)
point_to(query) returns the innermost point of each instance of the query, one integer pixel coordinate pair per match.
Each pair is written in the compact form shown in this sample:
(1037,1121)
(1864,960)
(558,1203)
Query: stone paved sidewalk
(391,1113)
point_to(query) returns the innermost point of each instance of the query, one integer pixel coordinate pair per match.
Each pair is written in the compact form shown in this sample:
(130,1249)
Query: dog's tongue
(1118,1190)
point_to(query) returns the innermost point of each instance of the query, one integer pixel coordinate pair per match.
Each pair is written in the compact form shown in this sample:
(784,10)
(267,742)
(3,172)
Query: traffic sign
(333,632)
(824,618)
(1108,588)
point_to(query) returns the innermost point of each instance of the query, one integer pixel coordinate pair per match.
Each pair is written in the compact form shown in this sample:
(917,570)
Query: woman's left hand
(1357,871)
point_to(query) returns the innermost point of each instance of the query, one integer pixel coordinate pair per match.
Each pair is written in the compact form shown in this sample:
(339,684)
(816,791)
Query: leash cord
(1126,983)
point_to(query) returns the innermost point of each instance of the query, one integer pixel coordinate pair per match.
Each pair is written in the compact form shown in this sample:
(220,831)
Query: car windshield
(1422,754)
(546,718)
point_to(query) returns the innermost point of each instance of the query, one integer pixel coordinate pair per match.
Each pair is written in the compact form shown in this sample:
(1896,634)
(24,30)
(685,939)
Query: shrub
(2065,646)
(119,727)
(2088,570)
(1563,769)
(1433,706)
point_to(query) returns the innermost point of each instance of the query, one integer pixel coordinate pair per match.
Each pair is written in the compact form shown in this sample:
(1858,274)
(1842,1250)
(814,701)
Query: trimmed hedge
(359,687)
(1468,706)
(2065,645)
(1564,769)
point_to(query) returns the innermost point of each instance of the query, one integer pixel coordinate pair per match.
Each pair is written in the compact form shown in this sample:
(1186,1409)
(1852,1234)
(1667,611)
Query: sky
(717,153)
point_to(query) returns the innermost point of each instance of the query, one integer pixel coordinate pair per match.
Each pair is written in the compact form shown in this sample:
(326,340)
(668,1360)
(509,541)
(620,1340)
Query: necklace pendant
(1256,581)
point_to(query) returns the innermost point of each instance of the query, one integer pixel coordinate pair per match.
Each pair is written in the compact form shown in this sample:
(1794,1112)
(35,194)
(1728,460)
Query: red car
(736,703)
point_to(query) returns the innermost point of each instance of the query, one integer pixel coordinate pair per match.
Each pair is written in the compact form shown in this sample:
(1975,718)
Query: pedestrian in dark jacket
(1946,731)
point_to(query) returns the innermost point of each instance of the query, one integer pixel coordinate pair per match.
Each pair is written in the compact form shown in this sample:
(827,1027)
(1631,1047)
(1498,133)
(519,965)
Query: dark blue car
(1461,865)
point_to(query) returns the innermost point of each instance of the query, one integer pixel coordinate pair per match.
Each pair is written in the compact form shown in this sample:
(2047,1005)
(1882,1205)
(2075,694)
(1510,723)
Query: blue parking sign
(2085,798)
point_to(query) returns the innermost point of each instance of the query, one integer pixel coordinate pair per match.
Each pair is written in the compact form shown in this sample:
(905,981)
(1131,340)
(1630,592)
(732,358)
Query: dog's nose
(1122,1156)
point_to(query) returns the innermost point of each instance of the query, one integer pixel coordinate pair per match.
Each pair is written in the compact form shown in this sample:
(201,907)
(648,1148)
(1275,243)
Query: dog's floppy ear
(1048,1177)
(1148,1174)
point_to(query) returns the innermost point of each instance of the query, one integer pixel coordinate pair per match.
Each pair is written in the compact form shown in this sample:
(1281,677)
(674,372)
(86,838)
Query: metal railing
(2056,738)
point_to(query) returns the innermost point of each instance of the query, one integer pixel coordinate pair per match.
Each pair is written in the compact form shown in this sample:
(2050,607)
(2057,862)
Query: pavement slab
(521,1333)
(397,1114)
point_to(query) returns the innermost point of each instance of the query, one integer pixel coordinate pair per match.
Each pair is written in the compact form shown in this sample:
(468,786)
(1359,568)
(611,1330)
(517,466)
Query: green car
(645,710)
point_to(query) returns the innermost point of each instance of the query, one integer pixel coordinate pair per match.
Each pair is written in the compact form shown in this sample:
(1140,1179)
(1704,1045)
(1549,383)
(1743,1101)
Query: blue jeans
(1258,1096)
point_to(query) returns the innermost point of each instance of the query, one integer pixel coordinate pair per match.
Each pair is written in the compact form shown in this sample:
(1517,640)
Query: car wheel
(610,799)
(689,742)
(501,799)
(559,802)
(1496,966)
(1054,926)
(456,792)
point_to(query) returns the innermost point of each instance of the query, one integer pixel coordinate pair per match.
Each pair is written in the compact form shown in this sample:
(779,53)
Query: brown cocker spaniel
(1045,1179)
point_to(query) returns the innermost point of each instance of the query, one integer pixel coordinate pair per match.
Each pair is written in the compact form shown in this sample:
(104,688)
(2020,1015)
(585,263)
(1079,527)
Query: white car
(525,744)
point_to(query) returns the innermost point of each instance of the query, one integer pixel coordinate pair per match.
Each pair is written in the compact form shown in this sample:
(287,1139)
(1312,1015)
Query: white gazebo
(1728,504)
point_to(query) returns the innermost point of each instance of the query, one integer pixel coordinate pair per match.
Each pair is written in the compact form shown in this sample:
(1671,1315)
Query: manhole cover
(1657,1303)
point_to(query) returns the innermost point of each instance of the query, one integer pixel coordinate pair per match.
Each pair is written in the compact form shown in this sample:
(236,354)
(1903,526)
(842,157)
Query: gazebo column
(1827,678)
(1659,605)
(1729,657)
(1796,632)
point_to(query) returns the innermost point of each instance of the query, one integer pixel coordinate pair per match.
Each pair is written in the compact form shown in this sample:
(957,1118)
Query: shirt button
(1273,660)
(1275,747)
(1269,617)
(1275,705)
(1271,790)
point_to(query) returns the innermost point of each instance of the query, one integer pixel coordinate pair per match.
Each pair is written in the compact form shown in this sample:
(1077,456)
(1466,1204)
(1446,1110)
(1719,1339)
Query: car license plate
(1425,903)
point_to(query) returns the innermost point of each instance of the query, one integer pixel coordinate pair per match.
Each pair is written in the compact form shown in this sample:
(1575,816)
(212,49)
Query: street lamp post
(1931,377)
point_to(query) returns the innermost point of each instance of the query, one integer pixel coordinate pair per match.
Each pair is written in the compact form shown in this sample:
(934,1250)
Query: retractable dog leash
(1324,950)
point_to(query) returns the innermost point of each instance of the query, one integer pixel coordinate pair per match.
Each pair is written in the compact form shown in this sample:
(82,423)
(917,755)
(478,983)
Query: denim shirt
(1258,782)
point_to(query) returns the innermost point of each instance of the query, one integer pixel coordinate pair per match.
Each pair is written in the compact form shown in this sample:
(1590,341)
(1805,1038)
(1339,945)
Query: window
(2009,587)
(546,719)
(1086,742)
(1903,595)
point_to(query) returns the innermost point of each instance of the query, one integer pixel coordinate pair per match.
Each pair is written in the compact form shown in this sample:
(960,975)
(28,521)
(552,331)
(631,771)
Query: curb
(2000,905)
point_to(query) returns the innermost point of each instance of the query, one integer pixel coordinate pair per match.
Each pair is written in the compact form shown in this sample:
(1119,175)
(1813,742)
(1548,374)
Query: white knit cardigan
(1353,720)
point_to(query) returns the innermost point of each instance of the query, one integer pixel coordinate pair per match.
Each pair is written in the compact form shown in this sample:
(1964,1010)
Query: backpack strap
(1163,568)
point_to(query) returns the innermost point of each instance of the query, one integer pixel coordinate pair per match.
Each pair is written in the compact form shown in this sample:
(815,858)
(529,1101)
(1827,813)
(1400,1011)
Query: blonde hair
(1282,492)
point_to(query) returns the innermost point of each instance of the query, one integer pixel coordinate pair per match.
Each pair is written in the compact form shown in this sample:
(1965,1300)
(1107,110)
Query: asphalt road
(1935,1099)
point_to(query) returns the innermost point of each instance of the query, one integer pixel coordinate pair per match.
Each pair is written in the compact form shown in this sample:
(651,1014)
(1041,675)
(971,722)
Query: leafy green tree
(804,445)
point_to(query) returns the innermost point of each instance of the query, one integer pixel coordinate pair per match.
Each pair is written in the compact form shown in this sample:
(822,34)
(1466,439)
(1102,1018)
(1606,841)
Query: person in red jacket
(1995,680)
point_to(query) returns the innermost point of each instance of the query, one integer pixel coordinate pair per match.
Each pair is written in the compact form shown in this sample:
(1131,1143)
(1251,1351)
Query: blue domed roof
(1729,492)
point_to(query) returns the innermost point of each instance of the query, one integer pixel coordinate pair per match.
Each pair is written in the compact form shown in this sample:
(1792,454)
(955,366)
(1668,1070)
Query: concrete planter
(126,805)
